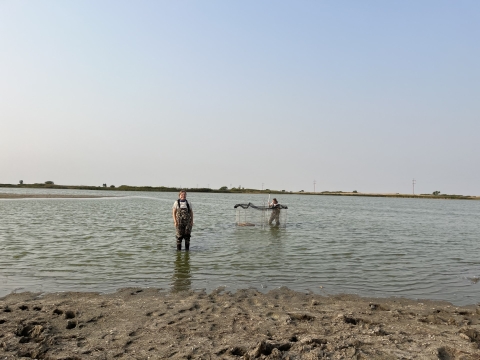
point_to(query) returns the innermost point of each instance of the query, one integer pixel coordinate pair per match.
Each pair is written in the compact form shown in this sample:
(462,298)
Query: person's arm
(174,214)
(191,217)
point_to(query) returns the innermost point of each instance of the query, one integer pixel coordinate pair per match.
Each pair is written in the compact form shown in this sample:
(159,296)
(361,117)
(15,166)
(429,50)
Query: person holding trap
(275,216)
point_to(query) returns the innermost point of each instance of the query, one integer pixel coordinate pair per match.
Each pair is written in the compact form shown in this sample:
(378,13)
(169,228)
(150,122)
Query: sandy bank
(48,196)
(282,324)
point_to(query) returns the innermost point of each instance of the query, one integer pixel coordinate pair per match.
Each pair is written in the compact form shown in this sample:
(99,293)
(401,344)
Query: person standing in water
(183,219)
(275,206)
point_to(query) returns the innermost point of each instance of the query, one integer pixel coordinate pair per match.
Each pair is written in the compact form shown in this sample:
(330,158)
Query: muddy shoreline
(137,323)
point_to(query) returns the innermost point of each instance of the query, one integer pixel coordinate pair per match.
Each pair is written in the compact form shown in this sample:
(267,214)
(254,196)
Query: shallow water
(415,248)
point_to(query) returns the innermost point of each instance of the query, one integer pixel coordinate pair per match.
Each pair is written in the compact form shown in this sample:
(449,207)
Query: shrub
(49,182)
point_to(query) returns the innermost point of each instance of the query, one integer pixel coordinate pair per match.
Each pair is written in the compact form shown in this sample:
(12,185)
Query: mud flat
(282,324)
(48,196)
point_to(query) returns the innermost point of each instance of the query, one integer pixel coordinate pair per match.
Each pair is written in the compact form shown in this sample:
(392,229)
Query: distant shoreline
(208,190)
(50,196)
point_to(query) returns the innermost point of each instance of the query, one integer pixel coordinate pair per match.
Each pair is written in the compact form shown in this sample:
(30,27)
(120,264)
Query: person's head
(182,194)
(275,201)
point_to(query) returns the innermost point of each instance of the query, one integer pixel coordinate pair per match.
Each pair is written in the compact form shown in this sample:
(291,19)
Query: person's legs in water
(179,243)
(186,236)
(272,217)
(180,234)
(277,219)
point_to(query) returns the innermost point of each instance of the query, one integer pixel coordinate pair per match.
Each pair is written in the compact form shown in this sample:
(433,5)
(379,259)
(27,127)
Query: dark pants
(275,216)
(184,228)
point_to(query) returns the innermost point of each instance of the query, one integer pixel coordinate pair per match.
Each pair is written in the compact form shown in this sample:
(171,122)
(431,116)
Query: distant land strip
(50,196)
(223,189)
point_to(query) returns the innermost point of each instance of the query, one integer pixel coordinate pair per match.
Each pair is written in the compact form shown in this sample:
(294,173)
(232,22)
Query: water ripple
(367,246)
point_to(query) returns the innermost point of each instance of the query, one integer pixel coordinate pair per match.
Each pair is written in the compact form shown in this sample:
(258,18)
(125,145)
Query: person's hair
(274,199)
(182,191)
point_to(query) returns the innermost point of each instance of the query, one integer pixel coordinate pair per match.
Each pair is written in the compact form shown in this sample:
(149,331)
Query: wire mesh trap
(252,215)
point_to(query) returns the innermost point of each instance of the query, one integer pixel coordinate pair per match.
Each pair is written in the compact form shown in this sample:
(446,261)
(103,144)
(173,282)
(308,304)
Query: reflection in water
(276,254)
(275,232)
(181,275)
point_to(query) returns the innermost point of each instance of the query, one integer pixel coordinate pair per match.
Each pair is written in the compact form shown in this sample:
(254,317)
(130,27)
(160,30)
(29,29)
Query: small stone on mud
(350,351)
(275,354)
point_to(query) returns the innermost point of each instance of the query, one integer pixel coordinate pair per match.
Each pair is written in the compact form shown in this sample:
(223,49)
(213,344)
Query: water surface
(416,248)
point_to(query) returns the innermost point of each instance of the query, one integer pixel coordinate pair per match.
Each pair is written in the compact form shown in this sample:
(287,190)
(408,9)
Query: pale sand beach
(48,196)
(150,323)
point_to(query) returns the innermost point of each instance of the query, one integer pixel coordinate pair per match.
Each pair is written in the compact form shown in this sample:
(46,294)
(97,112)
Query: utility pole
(314,182)
(413,185)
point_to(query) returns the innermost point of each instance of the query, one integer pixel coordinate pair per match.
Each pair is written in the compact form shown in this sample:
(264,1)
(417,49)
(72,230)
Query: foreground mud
(282,324)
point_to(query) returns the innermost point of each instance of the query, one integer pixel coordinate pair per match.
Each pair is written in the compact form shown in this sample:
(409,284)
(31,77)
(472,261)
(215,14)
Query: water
(415,248)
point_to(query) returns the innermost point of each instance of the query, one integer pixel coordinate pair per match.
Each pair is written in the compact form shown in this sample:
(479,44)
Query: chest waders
(275,216)
(184,226)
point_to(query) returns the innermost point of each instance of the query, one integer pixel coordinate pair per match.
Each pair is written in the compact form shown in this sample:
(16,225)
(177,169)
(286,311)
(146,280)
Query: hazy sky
(357,95)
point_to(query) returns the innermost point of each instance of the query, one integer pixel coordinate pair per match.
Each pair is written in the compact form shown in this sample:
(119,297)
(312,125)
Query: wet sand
(282,324)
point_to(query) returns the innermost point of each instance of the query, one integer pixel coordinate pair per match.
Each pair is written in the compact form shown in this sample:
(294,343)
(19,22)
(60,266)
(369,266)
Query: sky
(352,95)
